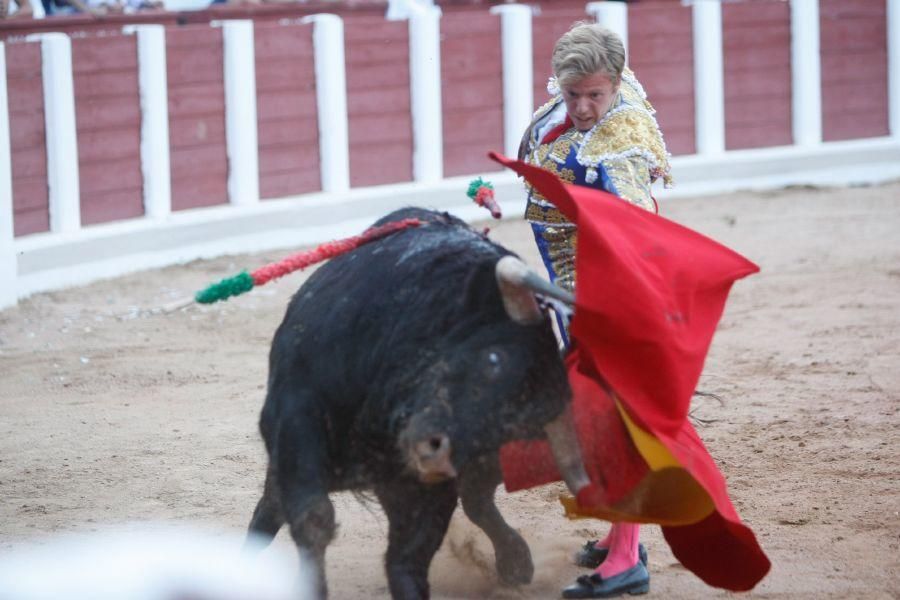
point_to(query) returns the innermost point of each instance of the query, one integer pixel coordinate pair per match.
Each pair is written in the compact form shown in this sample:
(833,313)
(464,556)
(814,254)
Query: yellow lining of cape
(669,495)
(652,450)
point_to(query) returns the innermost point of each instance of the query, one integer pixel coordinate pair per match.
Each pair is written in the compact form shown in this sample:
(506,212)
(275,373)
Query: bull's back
(404,281)
(368,311)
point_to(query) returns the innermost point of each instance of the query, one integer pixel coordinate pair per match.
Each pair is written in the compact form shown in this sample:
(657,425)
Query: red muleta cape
(649,295)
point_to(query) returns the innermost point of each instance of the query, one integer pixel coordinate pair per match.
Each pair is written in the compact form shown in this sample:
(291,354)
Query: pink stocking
(623,549)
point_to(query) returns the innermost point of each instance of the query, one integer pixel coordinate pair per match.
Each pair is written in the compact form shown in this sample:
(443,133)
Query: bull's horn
(518,284)
(563,441)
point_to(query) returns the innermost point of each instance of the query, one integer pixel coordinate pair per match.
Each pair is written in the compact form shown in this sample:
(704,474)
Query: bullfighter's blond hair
(586,49)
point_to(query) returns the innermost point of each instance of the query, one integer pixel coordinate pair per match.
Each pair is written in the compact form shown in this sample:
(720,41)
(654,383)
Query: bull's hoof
(514,564)
(407,585)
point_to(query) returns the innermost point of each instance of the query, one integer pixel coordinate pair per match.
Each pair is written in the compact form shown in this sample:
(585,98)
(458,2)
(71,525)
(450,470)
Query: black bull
(402,367)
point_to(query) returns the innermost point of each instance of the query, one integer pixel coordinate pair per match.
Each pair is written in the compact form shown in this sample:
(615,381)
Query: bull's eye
(494,364)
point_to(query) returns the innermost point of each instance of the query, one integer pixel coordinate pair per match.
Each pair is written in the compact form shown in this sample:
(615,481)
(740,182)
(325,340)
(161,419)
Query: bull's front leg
(477,485)
(301,458)
(418,517)
(268,517)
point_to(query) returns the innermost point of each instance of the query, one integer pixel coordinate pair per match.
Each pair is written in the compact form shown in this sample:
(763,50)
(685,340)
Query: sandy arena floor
(109,414)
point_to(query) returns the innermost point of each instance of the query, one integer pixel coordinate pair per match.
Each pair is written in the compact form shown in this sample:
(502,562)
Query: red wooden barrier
(471,91)
(660,43)
(378,102)
(757,92)
(854,68)
(196,116)
(25,92)
(551,20)
(287,126)
(108,119)
(757,62)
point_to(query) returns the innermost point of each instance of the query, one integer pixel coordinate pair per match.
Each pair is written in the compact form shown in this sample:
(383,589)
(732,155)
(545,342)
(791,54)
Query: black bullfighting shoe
(634,581)
(590,556)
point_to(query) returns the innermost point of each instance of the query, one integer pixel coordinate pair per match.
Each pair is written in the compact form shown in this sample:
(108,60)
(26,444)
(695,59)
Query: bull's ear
(481,294)
(509,285)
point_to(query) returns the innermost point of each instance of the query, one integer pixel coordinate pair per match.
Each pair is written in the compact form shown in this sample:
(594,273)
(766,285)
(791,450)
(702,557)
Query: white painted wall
(893,40)
(518,72)
(331,100)
(8,287)
(709,77)
(241,138)
(425,94)
(806,73)
(186,4)
(59,124)
(153,88)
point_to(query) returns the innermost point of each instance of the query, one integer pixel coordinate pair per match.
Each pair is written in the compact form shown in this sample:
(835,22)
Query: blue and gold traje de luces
(622,154)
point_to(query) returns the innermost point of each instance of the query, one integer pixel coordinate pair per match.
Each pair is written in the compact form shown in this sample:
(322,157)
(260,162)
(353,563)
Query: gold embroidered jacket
(622,154)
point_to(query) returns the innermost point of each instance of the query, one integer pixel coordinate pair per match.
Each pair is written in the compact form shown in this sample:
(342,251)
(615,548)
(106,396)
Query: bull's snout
(431,458)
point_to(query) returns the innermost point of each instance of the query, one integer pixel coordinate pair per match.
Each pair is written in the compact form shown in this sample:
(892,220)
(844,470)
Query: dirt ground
(111,414)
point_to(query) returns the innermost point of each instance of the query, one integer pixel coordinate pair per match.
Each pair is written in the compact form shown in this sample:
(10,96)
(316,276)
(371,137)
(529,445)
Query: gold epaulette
(628,129)
(540,113)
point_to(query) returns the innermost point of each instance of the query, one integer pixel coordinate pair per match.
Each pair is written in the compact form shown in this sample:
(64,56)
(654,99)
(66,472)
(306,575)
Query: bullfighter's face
(588,99)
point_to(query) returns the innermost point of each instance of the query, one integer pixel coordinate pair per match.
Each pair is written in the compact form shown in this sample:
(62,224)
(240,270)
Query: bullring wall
(756,84)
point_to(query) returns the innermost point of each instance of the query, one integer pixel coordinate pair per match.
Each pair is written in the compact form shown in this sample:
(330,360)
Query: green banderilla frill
(231,286)
(477,184)
(245,281)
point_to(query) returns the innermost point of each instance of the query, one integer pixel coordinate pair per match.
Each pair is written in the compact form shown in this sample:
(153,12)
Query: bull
(401,368)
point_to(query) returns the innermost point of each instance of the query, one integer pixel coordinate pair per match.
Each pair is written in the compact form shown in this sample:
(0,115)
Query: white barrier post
(518,72)
(153,85)
(331,98)
(241,138)
(613,16)
(425,93)
(893,41)
(709,79)
(62,144)
(806,77)
(8,268)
